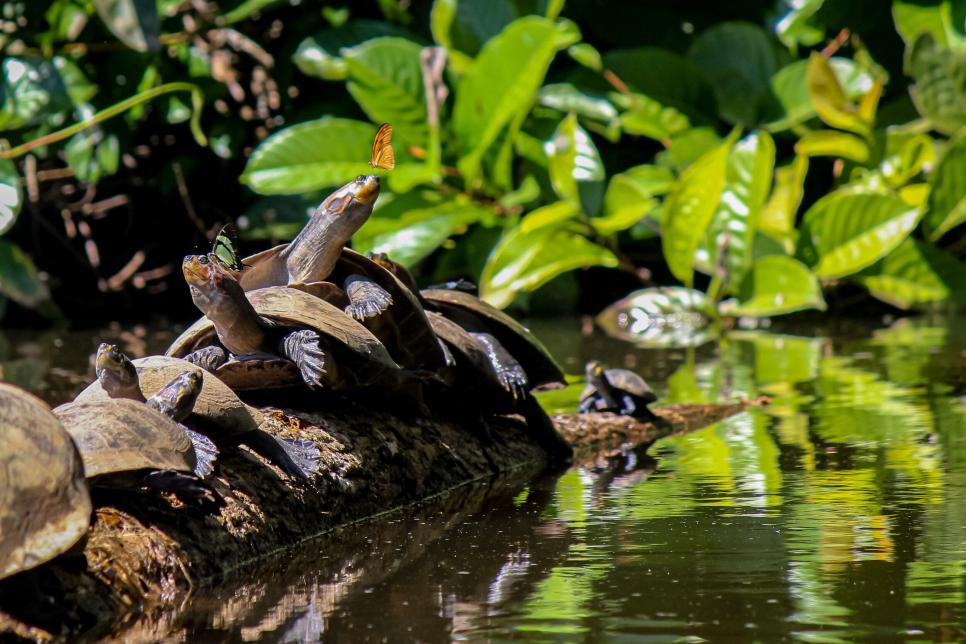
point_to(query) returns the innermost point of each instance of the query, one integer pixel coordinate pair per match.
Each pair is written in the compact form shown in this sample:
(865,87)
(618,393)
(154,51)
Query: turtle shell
(45,506)
(468,353)
(626,381)
(403,328)
(217,404)
(121,435)
(361,357)
(542,370)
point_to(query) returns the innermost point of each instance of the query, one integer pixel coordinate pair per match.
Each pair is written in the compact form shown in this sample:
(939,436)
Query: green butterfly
(225,248)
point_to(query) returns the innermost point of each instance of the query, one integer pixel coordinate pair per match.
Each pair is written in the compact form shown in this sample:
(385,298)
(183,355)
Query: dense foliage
(772,154)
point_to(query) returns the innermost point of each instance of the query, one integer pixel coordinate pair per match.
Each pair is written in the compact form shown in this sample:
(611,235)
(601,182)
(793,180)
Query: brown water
(836,514)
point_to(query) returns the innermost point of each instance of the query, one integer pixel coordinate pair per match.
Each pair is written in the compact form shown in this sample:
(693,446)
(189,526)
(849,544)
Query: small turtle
(217,413)
(618,391)
(45,506)
(125,443)
(313,342)
(474,374)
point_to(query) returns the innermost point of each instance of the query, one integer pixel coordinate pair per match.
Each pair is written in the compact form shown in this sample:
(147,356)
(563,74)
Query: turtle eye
(202,259)
(361,178)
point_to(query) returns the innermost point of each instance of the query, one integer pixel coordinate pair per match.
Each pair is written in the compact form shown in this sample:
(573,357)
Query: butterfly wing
(382,155)
(225,248)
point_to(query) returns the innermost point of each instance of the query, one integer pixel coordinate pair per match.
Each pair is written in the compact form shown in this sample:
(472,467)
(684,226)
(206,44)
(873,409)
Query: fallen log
(147,552)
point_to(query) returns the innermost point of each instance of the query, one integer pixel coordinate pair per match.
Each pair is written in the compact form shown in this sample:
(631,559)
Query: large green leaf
(776,285)
(777,218)
(947,197)
(940,89)
(830,100)
(386,80)
(320,55)
(666,316)
(664,76)
(915,273)
(933,16)
(747,183)
(11,195)
(311,155)
(134,22)
(575,168)
(630,196)
(502,82)
(789,86)
(689,208)
(648,117)
(738,59)
(18,276)
(524,261)
(853,230)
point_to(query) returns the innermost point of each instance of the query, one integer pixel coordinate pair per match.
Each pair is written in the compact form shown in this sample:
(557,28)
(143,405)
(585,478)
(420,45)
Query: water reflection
(835,514)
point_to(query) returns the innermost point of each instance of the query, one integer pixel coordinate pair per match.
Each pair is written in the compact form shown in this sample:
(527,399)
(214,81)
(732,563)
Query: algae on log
(145,551)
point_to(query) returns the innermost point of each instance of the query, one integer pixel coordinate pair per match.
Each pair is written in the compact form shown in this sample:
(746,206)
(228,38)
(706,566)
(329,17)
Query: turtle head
(349,207)
(594,370)
(217,294)
(177,398)
(116,373)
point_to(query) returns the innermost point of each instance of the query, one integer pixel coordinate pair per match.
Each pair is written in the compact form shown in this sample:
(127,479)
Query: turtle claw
(514,382)
(303,348)
(367,299)
(209,358)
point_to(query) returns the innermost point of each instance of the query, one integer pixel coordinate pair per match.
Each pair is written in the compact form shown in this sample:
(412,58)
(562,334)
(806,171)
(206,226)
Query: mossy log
(145,551)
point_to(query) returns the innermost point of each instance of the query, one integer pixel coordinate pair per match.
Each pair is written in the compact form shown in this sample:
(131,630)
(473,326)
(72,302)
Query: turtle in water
(45,505)
(125,443)
(618,391)
(318,261)
(217,413)
(315,342)
(473,376)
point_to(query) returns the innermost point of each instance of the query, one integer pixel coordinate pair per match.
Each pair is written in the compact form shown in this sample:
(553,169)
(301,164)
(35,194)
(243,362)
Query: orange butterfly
(382,155)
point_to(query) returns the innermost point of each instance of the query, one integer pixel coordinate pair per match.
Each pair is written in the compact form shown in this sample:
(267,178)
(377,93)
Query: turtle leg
(179,483)
(209,358)
(280,453)
(205,453)
(508,370)
(628,406)
(587,405)
(307,350)
(366,298)
(543,430)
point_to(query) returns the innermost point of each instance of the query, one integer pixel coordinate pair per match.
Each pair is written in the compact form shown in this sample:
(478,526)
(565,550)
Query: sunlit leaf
(906,155)
(316,154)
(502,82)
(18,276)
(385,79)
(565,98)
(790,86)
(777,218)
(662,316)
(939,89)
(587,55)
(689,208)
(829,98)
(851,231)
(549,215)
(776,285)
(320,55)
(794,24)
(522,262)
(688,146)
(11,195)
(739,61)
(647,117)
(831,143)
(134,22)
(914,18)
(915,273)
(630,196)
(574,164)
(93,154)
(32,89)
(947,198)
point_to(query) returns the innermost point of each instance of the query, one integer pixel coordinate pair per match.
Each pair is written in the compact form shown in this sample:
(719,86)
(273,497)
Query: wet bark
(145,552)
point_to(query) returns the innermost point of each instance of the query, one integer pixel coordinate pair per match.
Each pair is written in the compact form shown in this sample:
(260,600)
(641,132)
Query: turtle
(217,414)
(45,504)
(318,261)
(313,341)
(619,391)
(473,373)
(126,443)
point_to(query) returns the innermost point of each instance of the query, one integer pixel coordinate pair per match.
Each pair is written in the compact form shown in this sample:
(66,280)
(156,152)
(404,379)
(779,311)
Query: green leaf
(666,77)
(320,55)
(795,27)
(134,22)
(386,80)
(689,207)
(522,262)
(915,273)
(906,155)
(853,230)
(11,195)
(630,197)
(832,143)
(467,26)
(914,18)
(575,168)
(947,197)
(586,55)
(738,60)
(830,100)
(549,215)
(565,98)
(776,285)
(308,156)
(777,218)
(789,86)
(92,154)
(666,316)
(31,90)
(18,277)
(747,183)
(501,83)
(647,117)
(940,89)
(686,147)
